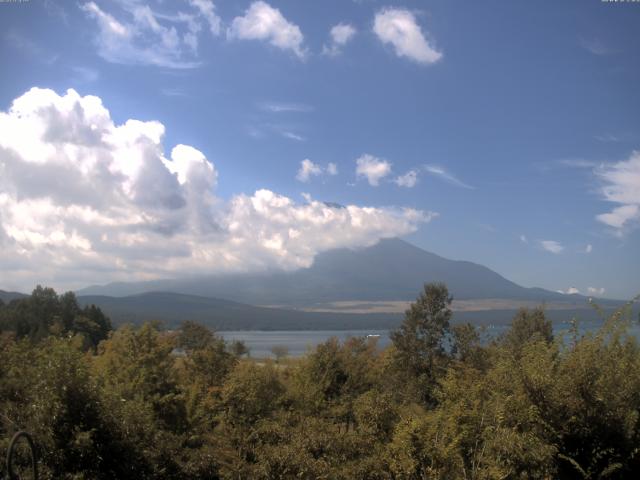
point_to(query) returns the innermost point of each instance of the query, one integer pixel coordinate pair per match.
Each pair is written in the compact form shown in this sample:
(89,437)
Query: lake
(300,342)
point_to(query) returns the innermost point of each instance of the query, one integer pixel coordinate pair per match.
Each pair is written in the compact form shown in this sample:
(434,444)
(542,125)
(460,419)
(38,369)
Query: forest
(442,402)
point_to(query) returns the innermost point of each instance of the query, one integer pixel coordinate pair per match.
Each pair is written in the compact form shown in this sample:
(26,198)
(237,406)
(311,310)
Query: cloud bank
(84,200)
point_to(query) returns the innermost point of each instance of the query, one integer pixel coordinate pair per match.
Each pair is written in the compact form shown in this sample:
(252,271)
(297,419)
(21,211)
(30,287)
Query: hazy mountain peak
(392,269)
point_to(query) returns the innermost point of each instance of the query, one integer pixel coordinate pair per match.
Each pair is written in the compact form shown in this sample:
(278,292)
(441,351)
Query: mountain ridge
(393,269)
(6,296)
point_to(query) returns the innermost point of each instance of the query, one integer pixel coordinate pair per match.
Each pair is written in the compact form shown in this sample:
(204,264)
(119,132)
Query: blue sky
(498,132)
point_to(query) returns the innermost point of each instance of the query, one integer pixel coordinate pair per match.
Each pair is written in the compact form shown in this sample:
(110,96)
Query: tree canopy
(442,402)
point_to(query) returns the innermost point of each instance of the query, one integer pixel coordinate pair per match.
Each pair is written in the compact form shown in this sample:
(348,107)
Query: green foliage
(238,348)
(528,325)
(45,313)
(440,403)
(467,347)
(419,355)
(194,336)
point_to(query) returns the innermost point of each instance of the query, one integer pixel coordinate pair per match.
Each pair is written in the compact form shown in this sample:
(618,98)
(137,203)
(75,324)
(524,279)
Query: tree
(136,365)
(46,389)
(194,336)
(239,348)
(419,343)
(280,352)
(466,346)
(528,325)
(45,313)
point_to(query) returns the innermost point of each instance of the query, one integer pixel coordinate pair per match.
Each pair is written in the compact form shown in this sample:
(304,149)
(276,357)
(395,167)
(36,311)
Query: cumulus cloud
(86,200)
(552,246)
(309,169)
(263,22)
(142,36)
(595,290)
(340,34)
(408,180)
(622,187)
(399,28)
(372,168)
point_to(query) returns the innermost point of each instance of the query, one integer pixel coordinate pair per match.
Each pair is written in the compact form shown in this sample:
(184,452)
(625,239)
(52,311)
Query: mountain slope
(173,308)
(221,315)
(6,297)
(390,270)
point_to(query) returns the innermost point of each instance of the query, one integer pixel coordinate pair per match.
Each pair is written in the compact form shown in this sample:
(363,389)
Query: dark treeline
(439,403)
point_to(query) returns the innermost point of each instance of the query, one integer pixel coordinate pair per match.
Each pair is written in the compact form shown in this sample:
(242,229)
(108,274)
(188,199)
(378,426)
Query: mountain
(6,297)
(173,308)
(221,315)
(391,270)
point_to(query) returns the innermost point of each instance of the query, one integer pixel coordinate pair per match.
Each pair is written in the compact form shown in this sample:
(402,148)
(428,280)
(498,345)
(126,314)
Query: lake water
(299,342)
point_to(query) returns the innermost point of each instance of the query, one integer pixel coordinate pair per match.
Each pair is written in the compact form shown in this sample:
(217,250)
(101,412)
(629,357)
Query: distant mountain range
(173,308)
(6,297)
(389,271)
(343,289)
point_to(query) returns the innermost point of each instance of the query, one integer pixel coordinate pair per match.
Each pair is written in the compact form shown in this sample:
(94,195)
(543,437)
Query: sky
(151,140)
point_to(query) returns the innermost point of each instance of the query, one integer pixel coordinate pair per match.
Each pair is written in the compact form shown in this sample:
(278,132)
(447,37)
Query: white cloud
(595,291)
(620,216)
(144,37)
(399,28)
(441,172)
(208,10)
(84,200)
(263,22)
(523,239)
(588,248)
(551,246)
(407,180)
(291,135)
(570,291)
(372,168)
(341,34)
(309,169)
(621,186)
